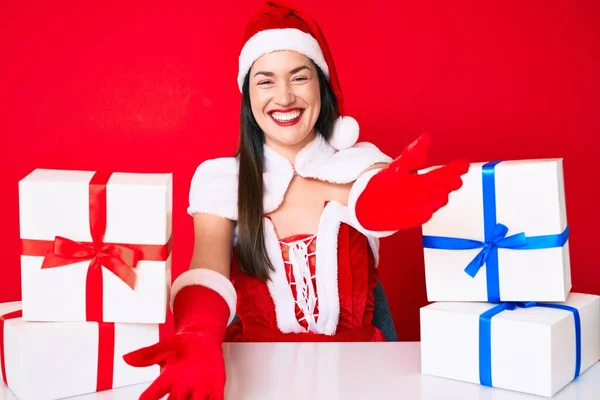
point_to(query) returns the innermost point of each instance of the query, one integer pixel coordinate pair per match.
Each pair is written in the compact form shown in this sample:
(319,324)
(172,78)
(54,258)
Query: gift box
(53,360)
(503,236)
(95,246)
(535,348)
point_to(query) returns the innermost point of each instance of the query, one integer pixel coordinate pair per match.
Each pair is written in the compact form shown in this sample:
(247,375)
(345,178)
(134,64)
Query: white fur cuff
(210,279)
(357,188)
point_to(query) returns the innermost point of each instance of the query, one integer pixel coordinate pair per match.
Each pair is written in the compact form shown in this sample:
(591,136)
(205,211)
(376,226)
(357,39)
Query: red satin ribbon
(11,315)
(106,356)
(120,259)
(106,351)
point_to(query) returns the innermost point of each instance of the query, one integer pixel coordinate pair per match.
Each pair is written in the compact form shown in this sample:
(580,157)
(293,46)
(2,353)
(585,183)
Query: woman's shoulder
(213,188)
(216,166)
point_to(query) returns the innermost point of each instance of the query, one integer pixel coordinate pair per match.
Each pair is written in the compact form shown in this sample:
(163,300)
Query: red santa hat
(277,27)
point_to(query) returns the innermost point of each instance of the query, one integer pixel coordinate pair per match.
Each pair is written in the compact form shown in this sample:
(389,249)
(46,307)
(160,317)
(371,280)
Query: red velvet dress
(357,276)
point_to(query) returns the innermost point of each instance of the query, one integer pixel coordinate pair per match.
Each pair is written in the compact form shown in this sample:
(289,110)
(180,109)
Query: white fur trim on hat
(345,133)
(211,279)
(271,40)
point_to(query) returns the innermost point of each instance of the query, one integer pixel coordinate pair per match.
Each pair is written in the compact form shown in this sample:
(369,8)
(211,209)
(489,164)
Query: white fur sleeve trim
(210,279)
(213,189)
(357,188)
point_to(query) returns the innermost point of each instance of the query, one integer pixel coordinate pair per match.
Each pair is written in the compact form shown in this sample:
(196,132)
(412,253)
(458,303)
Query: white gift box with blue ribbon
(535,348)
(503,236)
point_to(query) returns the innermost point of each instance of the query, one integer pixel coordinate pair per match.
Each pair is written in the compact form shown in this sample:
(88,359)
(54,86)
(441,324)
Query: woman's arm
(212,243)
(203,301)
(209,266)
(383,201)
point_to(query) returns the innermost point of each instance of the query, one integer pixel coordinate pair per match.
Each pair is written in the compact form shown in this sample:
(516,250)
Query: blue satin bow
(495,238)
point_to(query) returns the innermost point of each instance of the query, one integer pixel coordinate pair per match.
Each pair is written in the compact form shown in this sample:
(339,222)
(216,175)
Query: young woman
(286,232)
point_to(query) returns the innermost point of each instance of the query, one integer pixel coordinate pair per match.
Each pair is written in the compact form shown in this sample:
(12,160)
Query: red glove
(191,361)
(398,198)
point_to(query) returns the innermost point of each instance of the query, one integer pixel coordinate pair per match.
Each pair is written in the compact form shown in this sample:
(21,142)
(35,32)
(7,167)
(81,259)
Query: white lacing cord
(305,291)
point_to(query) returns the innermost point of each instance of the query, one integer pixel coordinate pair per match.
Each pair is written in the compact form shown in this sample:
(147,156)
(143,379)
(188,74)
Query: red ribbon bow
(117,258)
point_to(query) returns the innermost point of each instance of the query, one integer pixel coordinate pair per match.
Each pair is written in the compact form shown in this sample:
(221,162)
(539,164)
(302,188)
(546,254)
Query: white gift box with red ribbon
(95,246)
(53,360)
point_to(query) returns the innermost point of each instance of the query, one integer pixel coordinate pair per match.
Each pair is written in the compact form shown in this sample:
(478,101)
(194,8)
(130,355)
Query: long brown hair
(250,251)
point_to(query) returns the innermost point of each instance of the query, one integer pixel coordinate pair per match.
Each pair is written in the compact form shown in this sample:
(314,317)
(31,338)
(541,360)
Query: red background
(148,88)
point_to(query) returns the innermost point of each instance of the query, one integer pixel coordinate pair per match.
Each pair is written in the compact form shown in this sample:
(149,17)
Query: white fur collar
(214,186)
(318,160)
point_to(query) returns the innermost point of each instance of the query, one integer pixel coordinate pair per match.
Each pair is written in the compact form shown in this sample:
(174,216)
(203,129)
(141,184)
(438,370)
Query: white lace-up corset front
(299,260)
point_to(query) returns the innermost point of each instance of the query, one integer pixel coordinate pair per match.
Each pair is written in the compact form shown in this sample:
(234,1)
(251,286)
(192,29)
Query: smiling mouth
(286,118)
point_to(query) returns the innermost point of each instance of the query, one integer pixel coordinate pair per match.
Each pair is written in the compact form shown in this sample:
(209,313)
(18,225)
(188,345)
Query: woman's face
(285,97)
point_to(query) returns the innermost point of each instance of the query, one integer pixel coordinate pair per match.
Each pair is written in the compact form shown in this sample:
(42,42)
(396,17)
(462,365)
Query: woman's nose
(284,95)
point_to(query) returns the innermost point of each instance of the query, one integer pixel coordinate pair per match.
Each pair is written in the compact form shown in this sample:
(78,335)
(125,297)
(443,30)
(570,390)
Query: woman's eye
(262,83)
(300,78)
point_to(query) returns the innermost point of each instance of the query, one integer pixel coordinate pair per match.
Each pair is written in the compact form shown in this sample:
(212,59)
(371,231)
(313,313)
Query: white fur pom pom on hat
(345,133)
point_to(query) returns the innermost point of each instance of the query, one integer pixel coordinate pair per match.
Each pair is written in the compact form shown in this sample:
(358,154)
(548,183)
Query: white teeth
(286,117)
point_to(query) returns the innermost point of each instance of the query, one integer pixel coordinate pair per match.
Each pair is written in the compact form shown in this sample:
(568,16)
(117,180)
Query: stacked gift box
(498,275)
(95,275)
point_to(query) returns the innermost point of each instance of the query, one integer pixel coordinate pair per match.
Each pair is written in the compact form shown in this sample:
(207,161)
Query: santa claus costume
(322,285)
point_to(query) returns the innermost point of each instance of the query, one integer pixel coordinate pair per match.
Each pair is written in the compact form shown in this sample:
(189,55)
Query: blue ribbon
(494,238)
(485,336)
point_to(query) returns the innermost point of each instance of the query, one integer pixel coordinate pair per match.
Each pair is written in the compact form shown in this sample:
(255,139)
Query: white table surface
(344,371)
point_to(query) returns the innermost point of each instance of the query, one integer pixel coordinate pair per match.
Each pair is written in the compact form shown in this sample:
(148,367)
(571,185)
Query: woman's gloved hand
(191,360)
(397,197)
